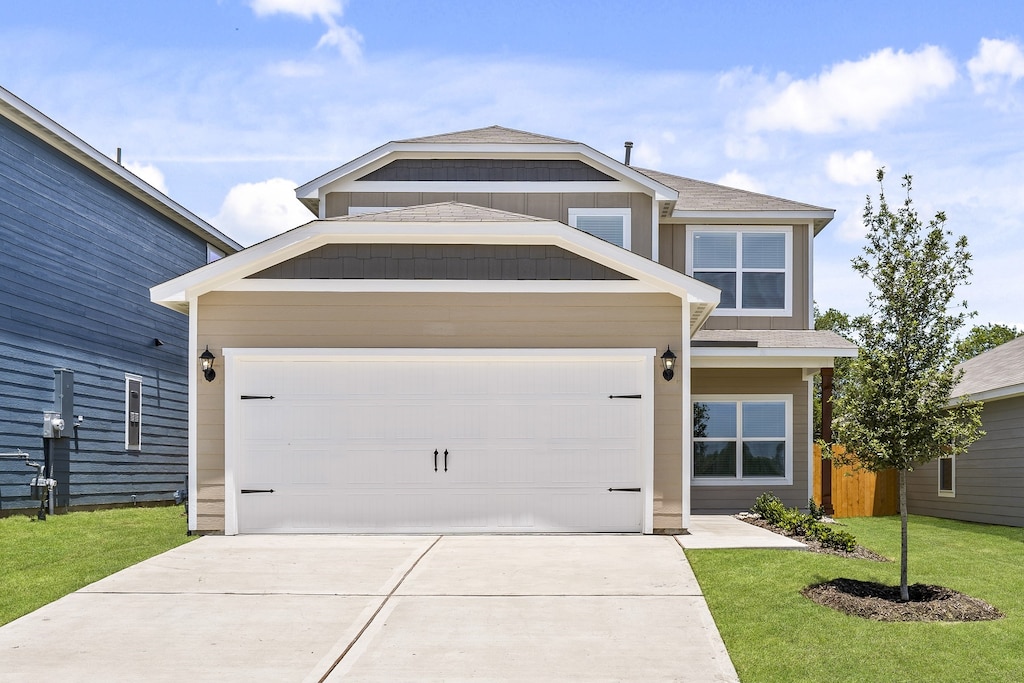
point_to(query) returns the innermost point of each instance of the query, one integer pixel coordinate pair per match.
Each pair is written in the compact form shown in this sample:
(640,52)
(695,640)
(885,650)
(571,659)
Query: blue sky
(228,105)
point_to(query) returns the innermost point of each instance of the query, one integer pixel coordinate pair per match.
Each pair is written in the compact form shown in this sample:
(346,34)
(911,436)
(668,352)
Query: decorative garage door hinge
(636,490)
(257,490)
(247,397)
(626,396)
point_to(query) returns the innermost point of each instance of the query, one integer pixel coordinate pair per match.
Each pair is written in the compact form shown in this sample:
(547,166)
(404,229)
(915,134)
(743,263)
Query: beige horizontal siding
(729,499)
(403,320)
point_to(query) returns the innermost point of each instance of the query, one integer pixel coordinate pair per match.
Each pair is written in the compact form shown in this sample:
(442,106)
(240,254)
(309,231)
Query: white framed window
(213,253)
(947,477)
(611,225)
(132,412)
(752,265)
(742,440)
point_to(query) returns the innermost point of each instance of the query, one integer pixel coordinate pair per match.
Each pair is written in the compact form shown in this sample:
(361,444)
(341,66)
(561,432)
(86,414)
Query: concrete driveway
(382,608)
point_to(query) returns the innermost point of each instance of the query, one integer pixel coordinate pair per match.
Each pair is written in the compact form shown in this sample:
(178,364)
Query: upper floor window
(753,266)
(213,253)
(611,225)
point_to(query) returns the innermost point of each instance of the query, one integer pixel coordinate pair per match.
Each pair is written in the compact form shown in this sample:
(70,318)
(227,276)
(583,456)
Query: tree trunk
(904,591)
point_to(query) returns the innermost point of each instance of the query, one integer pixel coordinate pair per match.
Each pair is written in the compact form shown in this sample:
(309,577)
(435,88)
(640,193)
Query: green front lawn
(42,561)
(775,634)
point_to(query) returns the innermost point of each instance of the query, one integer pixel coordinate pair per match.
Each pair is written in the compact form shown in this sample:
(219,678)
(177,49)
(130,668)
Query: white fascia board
(318,233)
(764,358)
(445,286)
(410,150)
(1012,391)
(748,217)
(52,133)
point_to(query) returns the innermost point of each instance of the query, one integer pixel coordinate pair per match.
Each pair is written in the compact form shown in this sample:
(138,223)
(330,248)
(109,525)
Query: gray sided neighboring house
(987,484)
(83,240)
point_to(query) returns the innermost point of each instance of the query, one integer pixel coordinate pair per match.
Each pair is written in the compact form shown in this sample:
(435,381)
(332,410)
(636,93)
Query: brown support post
(826,436)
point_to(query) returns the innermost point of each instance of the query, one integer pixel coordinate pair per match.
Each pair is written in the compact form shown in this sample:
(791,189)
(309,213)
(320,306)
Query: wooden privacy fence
(858,493)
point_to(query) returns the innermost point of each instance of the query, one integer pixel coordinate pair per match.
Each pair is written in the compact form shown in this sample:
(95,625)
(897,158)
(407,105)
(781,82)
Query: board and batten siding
(551,205)
(77,260)
(429,320)
(738,381)
(672,254)
(989,479)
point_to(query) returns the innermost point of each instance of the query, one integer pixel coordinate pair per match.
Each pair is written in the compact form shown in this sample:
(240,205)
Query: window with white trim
(752,265)
(132,412)
(947,476)
(213,253)
(611,225)
(743,439)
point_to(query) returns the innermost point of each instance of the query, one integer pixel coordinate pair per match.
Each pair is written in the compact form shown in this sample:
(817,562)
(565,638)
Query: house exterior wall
(77,258)
(672,253)
(422,320)
(989,479)
(733,381)
(551,205)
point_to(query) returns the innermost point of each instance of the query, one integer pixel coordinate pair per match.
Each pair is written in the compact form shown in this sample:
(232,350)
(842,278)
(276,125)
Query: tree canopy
(981,338)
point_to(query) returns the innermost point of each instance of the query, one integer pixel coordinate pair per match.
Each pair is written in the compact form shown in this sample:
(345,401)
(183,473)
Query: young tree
(894,411)
(981,338)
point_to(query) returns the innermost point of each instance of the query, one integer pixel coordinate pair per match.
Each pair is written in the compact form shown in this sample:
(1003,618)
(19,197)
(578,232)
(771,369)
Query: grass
(43,561)
(775,634)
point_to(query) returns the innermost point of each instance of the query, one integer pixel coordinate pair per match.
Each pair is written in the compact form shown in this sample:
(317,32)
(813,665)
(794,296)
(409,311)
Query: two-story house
(494,330)
(93,375)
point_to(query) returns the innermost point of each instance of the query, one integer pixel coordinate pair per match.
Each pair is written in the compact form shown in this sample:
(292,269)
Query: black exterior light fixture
(206,362)
(668,361)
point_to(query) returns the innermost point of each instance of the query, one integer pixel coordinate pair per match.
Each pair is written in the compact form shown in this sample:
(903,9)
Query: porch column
(683,371)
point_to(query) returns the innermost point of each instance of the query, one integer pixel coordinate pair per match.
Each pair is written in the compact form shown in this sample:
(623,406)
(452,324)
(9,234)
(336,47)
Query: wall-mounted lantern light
(206,362)
(668,361)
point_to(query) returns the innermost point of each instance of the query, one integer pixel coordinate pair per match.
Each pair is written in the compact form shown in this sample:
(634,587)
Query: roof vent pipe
(629,148)
(118,156)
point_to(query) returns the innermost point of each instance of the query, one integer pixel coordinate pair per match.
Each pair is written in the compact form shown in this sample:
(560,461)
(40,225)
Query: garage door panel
(532,445)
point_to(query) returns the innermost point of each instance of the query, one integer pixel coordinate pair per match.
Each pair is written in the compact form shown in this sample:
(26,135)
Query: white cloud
(741,181)
(746,148)
(645,155)
(252,212)
(346,39)
(852,228)
(150,173)
(859,168)
(856,95)
(998,63)
(293,69)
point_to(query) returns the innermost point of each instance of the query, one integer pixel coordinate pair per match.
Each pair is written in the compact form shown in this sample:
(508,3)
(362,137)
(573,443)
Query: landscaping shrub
(792,521)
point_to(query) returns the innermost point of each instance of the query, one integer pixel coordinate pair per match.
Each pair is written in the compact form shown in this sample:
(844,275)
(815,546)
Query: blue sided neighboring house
(81,242)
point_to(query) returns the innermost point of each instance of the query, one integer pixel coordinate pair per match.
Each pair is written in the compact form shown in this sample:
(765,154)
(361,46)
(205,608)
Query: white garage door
(439,443)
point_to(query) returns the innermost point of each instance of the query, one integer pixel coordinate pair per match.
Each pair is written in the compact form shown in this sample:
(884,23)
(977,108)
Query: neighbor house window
(132,412)
(947,477)
(753,266)
(611,225)
(742,439)
(213,253)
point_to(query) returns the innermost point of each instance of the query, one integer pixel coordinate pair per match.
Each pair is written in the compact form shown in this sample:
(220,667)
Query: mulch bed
(813,545)
(879,602)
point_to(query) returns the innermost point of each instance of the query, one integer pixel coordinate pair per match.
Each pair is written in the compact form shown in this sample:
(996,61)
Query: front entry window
(742,439)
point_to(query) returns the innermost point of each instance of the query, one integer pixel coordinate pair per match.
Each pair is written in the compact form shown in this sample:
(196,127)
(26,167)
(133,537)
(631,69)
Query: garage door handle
(435,460)
(626,396)
(257,490)
(636,490)
(446,460)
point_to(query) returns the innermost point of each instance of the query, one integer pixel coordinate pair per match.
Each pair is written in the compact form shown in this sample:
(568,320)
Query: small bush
(815,510)
(796,523)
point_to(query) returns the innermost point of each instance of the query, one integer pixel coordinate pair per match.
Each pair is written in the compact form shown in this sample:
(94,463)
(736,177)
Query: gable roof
(443,223)
(492,135)
(698,198)
(453,212)
(997,373)
(30,119)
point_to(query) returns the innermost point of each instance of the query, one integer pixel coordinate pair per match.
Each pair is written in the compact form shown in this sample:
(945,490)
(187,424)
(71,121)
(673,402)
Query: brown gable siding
(439,262)
(550,205)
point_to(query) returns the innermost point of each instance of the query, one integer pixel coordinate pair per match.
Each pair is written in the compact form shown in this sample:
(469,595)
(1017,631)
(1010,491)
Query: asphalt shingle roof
(997,368)
(697,195)
(492,135)
(441,212)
